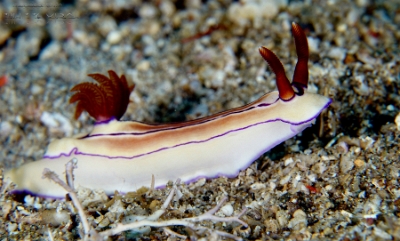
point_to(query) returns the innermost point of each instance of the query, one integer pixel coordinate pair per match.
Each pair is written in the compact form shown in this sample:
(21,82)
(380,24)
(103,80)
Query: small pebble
(345,163)
(337,53)
(313,44)
(36,89)
(227,210)
(272,225)
(147,11)
(11,227)
(114,37)
(106,25)
(57,121)
(299,217)
(282,218)
(382,234)
(55,217)
(167,8)
(5,128)
(359,163)
(81,37)
(288,161)
(258,186)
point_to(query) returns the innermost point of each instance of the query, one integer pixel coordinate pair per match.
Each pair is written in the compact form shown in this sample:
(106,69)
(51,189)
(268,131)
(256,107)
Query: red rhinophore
(104,101)
(286,91)
(300,76)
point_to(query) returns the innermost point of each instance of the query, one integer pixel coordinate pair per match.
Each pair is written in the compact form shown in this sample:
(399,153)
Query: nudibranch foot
(123,155)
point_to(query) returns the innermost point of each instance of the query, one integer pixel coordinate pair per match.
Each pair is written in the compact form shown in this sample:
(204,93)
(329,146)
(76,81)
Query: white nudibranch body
(123,155)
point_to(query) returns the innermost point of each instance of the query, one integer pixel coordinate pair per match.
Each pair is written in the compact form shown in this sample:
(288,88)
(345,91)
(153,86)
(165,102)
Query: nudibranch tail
(104,101)
(286,91)
(300,76)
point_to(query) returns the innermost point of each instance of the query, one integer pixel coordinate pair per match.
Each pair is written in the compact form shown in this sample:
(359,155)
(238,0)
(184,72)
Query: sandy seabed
(338,180)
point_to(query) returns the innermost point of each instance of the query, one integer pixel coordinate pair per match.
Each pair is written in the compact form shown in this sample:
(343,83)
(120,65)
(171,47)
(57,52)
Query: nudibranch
(123,155)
